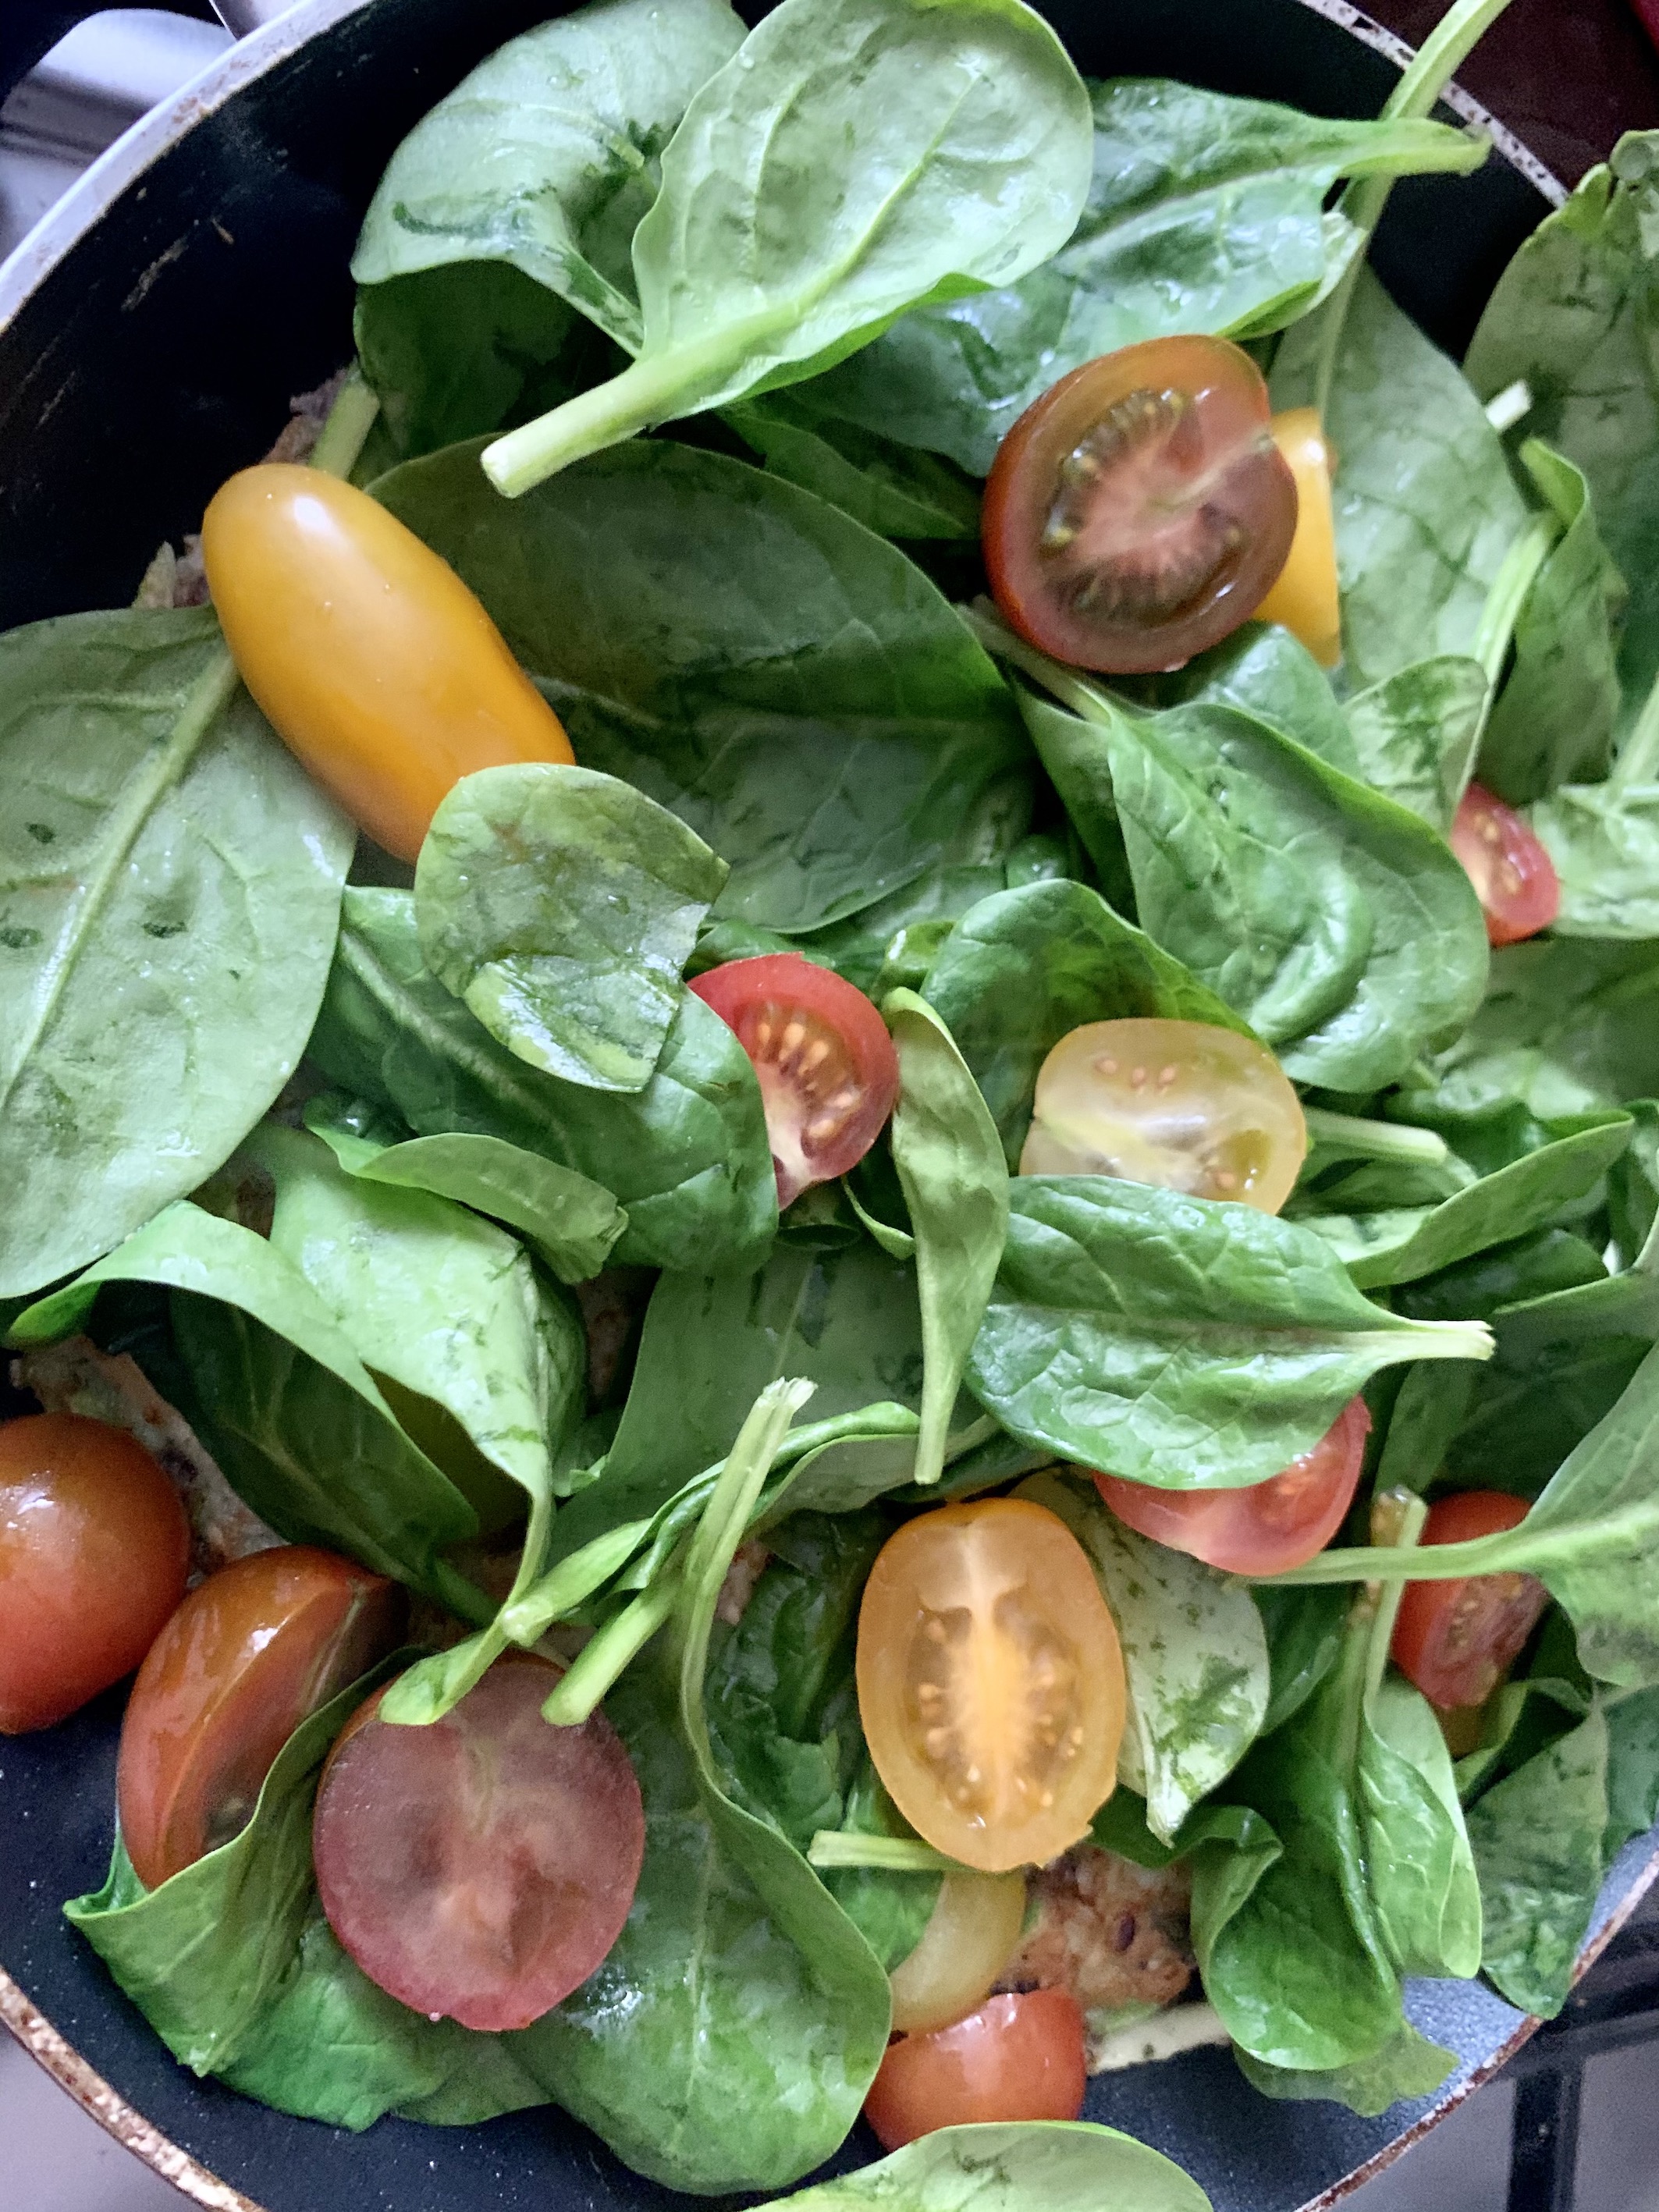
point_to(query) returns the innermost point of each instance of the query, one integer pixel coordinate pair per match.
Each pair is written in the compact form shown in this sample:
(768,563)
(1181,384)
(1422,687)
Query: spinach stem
(1397,1519)
(1510,406)
(554,1595)
(605,1655)
(350,419)
(839,1847)
(642,395)
(465,1599)
(1376,1140)
(1064,684)
(1516,575)
(1516,1551)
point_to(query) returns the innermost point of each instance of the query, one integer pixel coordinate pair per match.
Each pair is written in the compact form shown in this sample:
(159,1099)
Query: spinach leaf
(789,684)
(561,907)
(1204,213)
(157,840)
(569,1222)
(1262,670)
(1011,2166)
(283,1402)
(1537,1837)
(955,1181)
(1304,1629)
(895,491)
(1554,717)
(688,1156)
(1407,2065)
(1603,839)
(1023,968)
(1418,1862)
(1632,1768)
(1194,1650)
(855,158)
(1179,1342)
(511,205)
(1400,1246)
(1425,506)
(891,1911)
(1417,732)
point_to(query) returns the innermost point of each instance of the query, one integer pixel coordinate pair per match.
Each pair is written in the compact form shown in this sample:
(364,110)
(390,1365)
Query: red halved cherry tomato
(245,1659)
(1018,2057)
(483,1865)
(1266,1528)
(1304,595)
(1139,511)
(94,1552)
(373,660)
(990,1681)
(828,1070)
(1514,877)
(1456,1640)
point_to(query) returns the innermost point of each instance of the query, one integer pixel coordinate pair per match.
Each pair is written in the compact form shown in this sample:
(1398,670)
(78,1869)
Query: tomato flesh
(1514,877)
(1304,595)
(94,1548)
(990,1681)
(482,1866)
(1184,1104)
(245,1659)
(1456,1640)
(1266,1528)
(1139,511)
(1018,2057)
(370,659)
(828,1074)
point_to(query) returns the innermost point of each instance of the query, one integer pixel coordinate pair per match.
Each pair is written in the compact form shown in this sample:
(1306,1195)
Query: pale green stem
(464,1599)
(1397,1519)
(350,419)
(1515,1551)
(646,392)
(606,1656)
(1072,691)
(1376,1140)
(835,1847)
(1516,577)
(564,1587)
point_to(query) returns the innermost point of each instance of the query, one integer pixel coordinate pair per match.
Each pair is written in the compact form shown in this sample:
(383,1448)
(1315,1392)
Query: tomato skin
(1514,877)
(1304,594)
(1018,2057)
(1266,1527)
(1456,1640)
(370,659)
(1137,512)
(990,1681)
(249,1655)
(94,1548)
(829,1073)
(482,1866)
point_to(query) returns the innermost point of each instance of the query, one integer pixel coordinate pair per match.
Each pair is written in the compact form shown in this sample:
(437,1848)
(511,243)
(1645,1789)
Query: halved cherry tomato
(828,1070)
(1514,877)
(972,1932)
(1185,1104)
(1266,1527)
(94,1552)
(1139,511)
(1456,1640)
(990,1681)
(371,659)
(482,1866)
(1303,595)
(245,1659)
(1018,2058)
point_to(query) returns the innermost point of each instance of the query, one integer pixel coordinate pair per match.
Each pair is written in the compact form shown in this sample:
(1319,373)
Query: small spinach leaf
(1417,732)
(895,491)
(1407,2066)
(1565,1026)
(1418,1863)
(1013,2166)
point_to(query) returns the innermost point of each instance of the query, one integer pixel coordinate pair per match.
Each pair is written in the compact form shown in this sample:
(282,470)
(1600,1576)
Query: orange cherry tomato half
(828,1074)
(1266,1528)
(482,1866)
(1514,877)
(371,659)
(1139,511)
(990,1681)
(1456,1640)
(246,1658)
(94,1548)
(1304,594)
(1018,2057)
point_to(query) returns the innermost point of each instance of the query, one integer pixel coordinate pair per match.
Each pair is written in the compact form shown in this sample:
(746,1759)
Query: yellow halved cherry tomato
(1183,1104)
(990,1682)
(972,1933)
(371,659)
(1304,595)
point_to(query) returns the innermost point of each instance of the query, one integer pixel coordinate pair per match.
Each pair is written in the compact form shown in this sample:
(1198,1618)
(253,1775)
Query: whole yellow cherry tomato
(370,659)
(1304,597)
(1185,1104)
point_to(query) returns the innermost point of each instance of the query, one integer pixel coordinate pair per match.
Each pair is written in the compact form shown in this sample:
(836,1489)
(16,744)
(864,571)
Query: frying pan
(152,330)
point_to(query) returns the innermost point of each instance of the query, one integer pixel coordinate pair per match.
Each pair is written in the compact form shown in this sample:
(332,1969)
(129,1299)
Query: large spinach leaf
(561,906)
(1013,2166)
(788,683)
(855,158)
(897,490)
(1603,839)
(687,1156)
(1023,968)
(1262,670)
(1204,213)
(1417,732)
(512,205)
(1178,1341)
(1418,1862)
(169,887)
